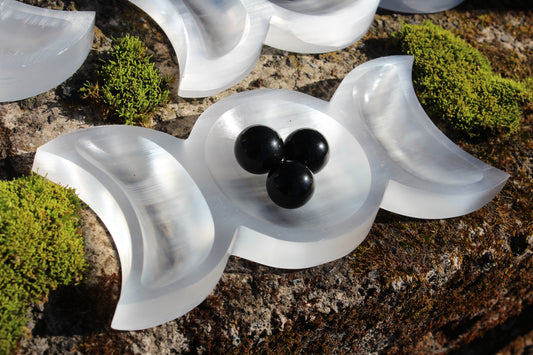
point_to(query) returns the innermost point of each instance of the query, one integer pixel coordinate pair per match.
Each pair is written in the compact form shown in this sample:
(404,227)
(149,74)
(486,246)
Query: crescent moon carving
(40,48)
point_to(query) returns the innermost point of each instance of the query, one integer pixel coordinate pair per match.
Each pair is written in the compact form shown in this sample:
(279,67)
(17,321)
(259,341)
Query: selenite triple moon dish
(177,209)
(218,42)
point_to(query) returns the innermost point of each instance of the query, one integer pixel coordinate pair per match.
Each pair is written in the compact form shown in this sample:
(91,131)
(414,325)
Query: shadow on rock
(387,217)
(6,150)
(470,5)
(323,89)
(499,337)
(379,47)
(504,5)
(80,310)
(17,165)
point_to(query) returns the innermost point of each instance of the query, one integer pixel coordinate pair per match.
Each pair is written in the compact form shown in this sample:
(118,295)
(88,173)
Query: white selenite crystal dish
(218,42)
(40,48)
(177,209)
(419,6)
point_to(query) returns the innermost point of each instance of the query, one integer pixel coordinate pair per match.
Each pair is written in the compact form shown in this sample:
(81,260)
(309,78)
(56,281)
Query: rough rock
(461,285)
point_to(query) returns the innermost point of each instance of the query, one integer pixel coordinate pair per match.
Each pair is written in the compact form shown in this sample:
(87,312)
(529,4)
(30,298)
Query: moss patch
(40,248)
(455,82)
(129,87)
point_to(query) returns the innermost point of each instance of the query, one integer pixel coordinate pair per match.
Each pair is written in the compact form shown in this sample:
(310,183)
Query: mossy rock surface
(461,285)
(129,86)
(41,248)
(455,82)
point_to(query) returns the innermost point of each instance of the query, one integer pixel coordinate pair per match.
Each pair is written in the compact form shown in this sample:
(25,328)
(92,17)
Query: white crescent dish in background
(40,48)
(419,6)
(177,209)
(218,42)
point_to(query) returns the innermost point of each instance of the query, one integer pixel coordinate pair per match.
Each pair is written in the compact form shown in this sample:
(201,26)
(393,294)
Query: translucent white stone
(177,209)
(40,48)
(419,6)
(218,42)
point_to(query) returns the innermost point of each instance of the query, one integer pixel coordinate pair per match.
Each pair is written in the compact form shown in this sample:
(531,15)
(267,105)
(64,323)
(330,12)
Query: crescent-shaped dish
(40,48)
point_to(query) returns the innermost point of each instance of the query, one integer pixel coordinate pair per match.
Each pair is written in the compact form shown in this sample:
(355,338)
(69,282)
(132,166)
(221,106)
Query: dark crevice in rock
(6,151)
(497,338)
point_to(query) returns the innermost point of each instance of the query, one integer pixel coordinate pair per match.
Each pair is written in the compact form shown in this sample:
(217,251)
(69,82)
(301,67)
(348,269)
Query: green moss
(129,86)
(455,81)
(40,248)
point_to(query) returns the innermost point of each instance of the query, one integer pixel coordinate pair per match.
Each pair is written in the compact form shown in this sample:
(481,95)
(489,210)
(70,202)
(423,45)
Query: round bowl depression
(341,187)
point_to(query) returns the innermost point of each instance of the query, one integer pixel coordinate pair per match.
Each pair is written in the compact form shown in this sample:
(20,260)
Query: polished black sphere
(290,185)
(258,149)
(308,147)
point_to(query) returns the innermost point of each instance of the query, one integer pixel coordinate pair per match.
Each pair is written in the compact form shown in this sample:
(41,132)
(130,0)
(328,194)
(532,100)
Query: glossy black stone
(290,185)
(258,149)
(309,147)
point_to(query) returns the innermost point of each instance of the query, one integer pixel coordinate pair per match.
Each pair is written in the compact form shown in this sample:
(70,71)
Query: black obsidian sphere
(290,185)
(258,149)
(309,147)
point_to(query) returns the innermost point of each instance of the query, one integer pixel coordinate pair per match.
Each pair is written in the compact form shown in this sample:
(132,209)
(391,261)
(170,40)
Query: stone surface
(461,285)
